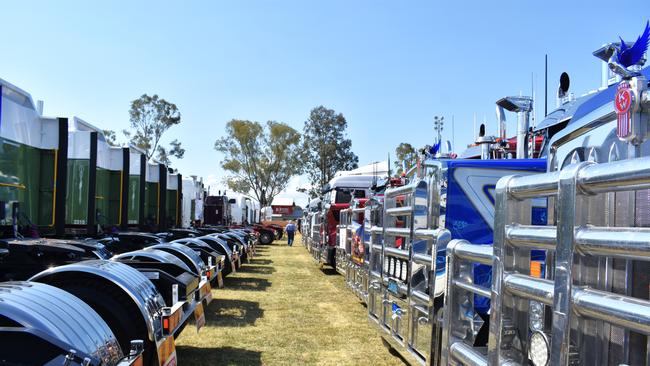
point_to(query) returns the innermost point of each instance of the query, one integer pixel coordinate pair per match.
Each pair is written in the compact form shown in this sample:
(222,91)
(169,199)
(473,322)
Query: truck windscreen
(346,195)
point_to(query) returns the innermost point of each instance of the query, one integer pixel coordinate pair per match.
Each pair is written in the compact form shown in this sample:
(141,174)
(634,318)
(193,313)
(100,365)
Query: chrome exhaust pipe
(522,106)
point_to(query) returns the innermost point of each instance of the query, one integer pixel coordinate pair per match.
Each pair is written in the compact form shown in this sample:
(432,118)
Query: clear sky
(388,66)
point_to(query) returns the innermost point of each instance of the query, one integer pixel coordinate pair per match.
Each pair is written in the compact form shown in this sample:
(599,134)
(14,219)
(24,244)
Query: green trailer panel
(115,181)
(151,200)
(134,199)
(20,181)
(107,197)
(171,211)
(77,193)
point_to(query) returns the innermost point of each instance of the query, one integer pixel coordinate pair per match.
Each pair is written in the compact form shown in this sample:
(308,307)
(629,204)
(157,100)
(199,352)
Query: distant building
(285,208)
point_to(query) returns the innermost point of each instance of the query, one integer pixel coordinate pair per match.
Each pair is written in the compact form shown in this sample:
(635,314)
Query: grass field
(281,309)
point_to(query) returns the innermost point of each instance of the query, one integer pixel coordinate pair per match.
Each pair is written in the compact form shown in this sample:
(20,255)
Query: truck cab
(337,195)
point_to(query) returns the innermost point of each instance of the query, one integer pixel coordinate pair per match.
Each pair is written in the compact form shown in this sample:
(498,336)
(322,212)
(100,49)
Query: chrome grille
(602,320)
(407,282)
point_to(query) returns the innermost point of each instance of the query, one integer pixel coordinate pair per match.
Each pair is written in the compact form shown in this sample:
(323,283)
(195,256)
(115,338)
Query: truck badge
(622,104)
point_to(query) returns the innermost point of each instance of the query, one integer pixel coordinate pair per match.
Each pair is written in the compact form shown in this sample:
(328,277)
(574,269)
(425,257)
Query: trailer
(244,209)
(192,206)
(28,196)
(67,168)
(133,189)
(155,196)
(174,199)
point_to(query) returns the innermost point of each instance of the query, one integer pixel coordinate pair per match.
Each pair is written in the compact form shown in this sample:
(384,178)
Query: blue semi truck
(471,266)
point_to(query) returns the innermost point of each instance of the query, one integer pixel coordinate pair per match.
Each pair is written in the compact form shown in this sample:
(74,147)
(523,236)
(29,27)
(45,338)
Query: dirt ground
(281,309)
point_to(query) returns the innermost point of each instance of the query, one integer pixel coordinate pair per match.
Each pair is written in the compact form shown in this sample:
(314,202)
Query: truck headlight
(536,316)
(538,350)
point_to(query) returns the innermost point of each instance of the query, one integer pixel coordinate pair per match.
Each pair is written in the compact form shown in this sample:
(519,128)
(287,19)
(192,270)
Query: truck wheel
(266,238)
(117,310)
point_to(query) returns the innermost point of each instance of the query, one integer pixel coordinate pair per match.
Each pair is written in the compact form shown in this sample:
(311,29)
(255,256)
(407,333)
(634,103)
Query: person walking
(291,230)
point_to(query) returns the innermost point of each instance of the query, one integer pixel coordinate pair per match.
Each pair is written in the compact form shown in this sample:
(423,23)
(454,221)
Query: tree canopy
(326,147)
(150,118)
(111,137)
(260,159)
(405,154)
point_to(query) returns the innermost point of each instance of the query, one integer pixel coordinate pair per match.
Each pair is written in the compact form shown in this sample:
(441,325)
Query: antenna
(545,85)
(453,145)
(532,92)
(389,172)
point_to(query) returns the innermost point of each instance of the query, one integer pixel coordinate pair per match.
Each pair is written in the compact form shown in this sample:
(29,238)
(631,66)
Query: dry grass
(281,309)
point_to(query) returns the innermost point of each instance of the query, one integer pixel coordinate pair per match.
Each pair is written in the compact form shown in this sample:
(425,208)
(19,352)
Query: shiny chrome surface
(403,279)
(595,285)
(60,315)
(133,283)
(154,255)
(179,249)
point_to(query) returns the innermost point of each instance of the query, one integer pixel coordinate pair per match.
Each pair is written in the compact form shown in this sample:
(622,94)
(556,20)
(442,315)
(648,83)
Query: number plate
(393,287)
(199,316)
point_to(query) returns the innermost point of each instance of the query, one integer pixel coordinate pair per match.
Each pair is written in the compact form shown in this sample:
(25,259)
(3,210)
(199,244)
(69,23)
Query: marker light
(538,350)
(536,269)
(536,316)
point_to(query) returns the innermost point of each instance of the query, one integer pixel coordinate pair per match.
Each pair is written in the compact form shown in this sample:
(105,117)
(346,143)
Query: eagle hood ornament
(622,56)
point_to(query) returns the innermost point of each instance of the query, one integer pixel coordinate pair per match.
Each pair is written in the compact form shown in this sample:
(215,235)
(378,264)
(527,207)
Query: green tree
(326,147)
(406,155)
(175,150)
(150,118)
(111,137)
(261,159)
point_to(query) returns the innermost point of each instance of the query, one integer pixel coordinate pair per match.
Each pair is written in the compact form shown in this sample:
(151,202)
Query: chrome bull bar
(589,321)
(409,317)
(344,241)
(315,236)
(356,274)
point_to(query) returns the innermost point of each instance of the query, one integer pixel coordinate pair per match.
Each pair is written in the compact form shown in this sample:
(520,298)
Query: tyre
(332,258)
(266,238)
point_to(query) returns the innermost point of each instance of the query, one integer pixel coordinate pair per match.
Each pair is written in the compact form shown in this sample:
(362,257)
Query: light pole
(438,124)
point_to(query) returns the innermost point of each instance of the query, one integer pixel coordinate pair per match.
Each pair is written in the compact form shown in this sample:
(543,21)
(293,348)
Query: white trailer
(244,208)
(193,191)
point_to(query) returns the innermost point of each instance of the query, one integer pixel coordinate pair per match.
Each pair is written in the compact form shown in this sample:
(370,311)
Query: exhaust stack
(522,106)
(501,119)
(485,142)
(39,107)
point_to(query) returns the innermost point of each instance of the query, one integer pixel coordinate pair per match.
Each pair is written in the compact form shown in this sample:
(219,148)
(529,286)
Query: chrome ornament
(622,104)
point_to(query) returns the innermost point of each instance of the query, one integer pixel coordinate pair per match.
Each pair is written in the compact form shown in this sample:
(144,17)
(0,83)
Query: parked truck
(337,195)
(590,304)
(216,211)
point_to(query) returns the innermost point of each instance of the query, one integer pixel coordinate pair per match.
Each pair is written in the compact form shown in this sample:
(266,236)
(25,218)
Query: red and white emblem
(623,104)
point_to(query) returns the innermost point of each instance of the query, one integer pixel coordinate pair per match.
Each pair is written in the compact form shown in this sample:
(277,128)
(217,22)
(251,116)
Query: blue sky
(388,66)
